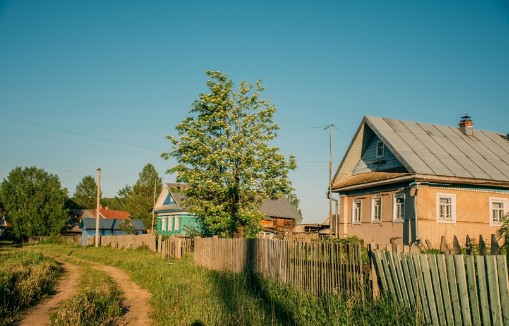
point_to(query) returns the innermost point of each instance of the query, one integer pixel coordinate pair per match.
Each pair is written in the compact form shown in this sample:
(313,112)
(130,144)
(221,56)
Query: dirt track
(137,300)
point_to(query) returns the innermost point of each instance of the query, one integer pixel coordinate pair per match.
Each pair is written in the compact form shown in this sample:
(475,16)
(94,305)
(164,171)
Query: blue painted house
(107,227)
(172,216)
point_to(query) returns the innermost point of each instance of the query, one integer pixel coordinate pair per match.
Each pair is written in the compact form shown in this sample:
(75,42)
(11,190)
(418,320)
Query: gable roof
(110,224)
(431,150)
(106,214)
(280,207)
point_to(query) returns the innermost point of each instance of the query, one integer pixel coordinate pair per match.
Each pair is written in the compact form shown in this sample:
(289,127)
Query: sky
(88,84)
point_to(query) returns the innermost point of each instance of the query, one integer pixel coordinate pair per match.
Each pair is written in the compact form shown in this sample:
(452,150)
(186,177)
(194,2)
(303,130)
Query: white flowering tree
(224,155)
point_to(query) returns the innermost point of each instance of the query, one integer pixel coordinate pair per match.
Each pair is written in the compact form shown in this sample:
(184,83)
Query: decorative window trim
(452,219)
(505,208)
(170,223)
(374,219)
(354,219)
(163,224)
(380,148)
(177,223)
(395,217)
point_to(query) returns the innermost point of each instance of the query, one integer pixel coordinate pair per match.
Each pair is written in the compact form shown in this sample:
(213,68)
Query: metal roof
(435,150)
(280,207)
(110,224)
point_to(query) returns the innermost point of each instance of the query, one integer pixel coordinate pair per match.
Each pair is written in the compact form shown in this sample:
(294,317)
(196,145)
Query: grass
(99,302)
(25,278)
(184,294)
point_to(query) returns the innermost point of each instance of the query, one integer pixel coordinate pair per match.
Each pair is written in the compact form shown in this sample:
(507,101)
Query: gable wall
(369,155)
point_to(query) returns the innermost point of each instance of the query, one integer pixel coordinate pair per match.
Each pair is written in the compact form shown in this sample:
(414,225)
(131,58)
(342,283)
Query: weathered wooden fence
(175,247)
(129,241)
(312,267)
(447,289)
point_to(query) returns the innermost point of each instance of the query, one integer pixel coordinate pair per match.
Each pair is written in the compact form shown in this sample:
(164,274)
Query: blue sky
(87,84)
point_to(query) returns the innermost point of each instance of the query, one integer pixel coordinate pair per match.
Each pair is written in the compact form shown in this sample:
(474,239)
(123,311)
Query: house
(419,181)
(174,218)
(107,227)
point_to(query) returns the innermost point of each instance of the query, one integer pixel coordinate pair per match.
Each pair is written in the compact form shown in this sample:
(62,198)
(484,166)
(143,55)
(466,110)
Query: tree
(503,232)
(294,200)
(85,195)
(223,155)
(34,201)
(140,198)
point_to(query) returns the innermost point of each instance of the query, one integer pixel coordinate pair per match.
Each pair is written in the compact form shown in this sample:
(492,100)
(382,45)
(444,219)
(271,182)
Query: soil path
(137,299)
(66,287)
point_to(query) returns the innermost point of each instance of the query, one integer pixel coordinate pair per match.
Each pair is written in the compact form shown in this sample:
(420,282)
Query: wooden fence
(175,247)
(312,267)
(447,289)
(128,241)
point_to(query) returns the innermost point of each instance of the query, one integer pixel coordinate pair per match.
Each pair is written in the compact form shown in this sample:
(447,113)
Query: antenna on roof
(329,195)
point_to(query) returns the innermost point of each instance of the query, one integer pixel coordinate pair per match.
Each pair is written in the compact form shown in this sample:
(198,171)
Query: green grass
(184,294)
(99,302)
(25,277)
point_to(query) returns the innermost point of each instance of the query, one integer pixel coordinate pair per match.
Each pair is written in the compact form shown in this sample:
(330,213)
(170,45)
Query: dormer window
(379,149)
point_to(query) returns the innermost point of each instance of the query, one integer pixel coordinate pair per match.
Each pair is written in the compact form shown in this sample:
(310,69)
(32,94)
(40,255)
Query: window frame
(375,220)
(380,146)
(452,198)
(163,224)
(504,202)
(354,210)
(395,217)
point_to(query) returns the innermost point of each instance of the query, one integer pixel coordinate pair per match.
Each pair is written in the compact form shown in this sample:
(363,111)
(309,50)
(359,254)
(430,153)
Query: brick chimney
(467,125)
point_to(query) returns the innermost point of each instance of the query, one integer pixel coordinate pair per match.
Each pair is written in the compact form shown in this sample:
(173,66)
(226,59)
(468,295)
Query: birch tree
(224,155)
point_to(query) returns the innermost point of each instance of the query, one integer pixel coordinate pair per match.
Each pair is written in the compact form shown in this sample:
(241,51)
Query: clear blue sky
(87,84)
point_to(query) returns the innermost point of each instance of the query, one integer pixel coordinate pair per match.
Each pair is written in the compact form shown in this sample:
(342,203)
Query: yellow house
(419,181)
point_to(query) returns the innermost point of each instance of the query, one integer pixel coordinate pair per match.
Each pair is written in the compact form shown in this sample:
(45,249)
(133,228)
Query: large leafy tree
(34,202)
(85,195)
(223,154)
(140,198)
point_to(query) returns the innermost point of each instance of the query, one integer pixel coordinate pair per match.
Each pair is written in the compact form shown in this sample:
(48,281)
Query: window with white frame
(163,224)
(177,223)
(446,208)
(170,223)
(379,149)
(376,210)
(356,211)
(498,209)
(399,208)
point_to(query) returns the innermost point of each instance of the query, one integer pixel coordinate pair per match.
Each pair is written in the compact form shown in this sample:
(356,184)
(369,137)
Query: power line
(88,137)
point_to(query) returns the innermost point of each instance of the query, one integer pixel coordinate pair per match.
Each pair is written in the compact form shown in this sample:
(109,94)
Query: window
(376,210)
(379,149)
(177,223)
(170,223)
(446,208)
(498,209)
(399,208)
(356,211)
(163,224)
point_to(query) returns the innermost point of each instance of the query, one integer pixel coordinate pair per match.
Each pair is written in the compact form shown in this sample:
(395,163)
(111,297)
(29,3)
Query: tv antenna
(329,195)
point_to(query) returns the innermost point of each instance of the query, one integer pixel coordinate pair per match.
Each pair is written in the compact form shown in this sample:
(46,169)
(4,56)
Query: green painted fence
(447,289)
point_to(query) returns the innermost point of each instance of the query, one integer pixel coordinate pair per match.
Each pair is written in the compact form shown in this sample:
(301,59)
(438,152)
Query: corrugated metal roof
(443,150)
(110,224)
(280,207)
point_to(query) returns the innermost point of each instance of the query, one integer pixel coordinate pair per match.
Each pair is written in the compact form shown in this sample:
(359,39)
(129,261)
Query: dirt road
(136,303)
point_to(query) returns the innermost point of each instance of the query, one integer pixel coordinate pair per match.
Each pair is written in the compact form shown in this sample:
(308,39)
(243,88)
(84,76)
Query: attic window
(380,149)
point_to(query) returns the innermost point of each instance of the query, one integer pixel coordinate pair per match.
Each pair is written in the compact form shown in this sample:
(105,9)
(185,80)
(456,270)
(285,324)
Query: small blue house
(107,227)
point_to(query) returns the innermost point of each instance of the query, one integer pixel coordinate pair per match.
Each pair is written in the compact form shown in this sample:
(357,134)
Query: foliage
(503,232)
(294,200)
(98,303)
(25,277)
(127,227)
(120,201)
(223,154)
(34,201)
(85,195)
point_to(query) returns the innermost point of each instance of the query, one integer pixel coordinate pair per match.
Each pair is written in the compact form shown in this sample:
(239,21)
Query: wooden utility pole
(330,179)
(98,206)
(154,205)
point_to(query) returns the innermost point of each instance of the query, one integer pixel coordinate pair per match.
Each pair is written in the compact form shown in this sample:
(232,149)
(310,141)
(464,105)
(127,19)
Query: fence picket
(426,272)
(437,289)
(472,291)
(459,264)
(444,286)
(493,290)
(504,287)
(483,290)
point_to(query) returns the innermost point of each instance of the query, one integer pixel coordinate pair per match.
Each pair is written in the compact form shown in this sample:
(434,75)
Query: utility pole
(98,206)
(154,205)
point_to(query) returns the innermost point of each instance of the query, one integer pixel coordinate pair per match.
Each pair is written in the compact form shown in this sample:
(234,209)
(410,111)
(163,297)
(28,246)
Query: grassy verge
(184,294)
(99,302)
(25,277)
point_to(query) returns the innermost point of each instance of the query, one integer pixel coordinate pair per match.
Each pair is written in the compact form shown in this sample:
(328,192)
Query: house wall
(185,221)
(370,231)
(368,159)
(472,214)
